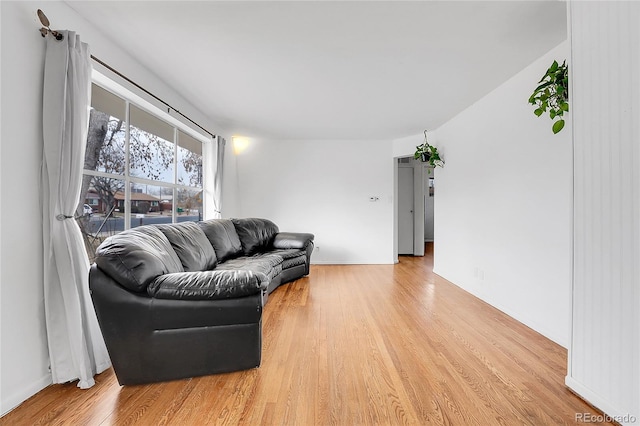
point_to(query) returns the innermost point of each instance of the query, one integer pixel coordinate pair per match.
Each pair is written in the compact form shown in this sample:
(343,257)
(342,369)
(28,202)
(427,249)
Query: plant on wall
(552,94)
(428,153)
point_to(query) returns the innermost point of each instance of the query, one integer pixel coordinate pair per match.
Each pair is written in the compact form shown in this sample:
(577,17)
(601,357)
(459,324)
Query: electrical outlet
(316,248)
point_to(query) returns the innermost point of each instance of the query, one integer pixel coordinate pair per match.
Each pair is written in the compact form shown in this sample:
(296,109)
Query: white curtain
(76,347)
(217,179)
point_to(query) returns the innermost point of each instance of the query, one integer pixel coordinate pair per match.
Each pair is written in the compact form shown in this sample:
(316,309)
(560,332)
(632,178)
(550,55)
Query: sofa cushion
(256,235)
(191,245)
(136,257)
(206,285)
(265,266)
(289,253)
(294,261)
(223,237)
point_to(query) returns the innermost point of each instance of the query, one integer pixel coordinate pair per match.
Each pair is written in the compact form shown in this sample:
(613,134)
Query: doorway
(429,207)
(412,192)
(406,234)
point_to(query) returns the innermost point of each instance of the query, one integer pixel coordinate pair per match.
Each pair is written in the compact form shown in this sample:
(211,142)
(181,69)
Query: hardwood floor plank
(352,345)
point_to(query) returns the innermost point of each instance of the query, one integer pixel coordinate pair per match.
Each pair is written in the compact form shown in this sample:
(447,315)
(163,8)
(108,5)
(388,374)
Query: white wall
(323,187)
(604,356)
(230,206)
(1,214)
(502,205)
(406,146)
(23,353)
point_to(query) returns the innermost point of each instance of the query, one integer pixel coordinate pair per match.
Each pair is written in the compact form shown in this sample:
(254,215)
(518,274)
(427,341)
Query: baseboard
(11,401)
(532,324)
(611,413)
(529,322)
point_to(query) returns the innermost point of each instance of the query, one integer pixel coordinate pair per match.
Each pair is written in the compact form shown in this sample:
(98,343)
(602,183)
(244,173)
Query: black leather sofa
(185,300)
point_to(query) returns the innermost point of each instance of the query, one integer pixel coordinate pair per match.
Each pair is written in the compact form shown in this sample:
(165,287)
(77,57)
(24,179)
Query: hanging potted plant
(552,94)
(428,153)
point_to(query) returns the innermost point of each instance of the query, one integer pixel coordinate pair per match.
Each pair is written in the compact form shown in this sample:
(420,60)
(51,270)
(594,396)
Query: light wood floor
(352,345)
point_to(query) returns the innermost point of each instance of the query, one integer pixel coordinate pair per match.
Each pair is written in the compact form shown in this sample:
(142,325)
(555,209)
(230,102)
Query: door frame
(419,184)
(409,233)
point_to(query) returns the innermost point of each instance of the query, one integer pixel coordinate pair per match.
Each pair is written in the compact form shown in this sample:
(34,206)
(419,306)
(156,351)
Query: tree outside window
(147,166)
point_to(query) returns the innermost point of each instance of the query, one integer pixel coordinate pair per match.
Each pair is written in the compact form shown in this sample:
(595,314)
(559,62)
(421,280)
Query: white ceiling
(331,70)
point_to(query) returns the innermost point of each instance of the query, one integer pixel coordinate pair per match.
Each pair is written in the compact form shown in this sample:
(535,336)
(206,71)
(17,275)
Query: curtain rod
(169,107)
(46,30)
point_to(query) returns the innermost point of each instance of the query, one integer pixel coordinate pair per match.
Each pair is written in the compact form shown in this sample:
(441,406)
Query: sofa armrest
(207,285)
(292,240)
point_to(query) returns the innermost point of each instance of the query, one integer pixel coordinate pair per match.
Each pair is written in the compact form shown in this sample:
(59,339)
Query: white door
(405,210)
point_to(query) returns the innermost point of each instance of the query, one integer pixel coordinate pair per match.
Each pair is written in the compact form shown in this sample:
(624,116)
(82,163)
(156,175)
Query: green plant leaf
(557,126)
(552,94)
(542,86)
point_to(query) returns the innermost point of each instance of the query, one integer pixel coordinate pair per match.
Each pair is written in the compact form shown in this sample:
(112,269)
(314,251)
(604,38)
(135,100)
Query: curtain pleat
(76,348)
(217,180)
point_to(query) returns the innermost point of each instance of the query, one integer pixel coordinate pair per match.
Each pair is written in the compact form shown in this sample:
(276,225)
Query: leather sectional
(185,300)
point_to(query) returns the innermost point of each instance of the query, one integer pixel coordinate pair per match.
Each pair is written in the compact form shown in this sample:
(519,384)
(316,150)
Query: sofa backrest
(223,237)
(256,235)
(191,245)
(137,256)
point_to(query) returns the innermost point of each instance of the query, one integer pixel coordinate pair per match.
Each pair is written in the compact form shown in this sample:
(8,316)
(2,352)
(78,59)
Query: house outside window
(139,169)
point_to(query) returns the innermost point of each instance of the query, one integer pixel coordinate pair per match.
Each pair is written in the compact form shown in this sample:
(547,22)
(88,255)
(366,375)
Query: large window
(138,170)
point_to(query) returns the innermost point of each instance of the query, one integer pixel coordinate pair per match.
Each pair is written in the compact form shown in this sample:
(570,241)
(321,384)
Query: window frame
(131,98)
